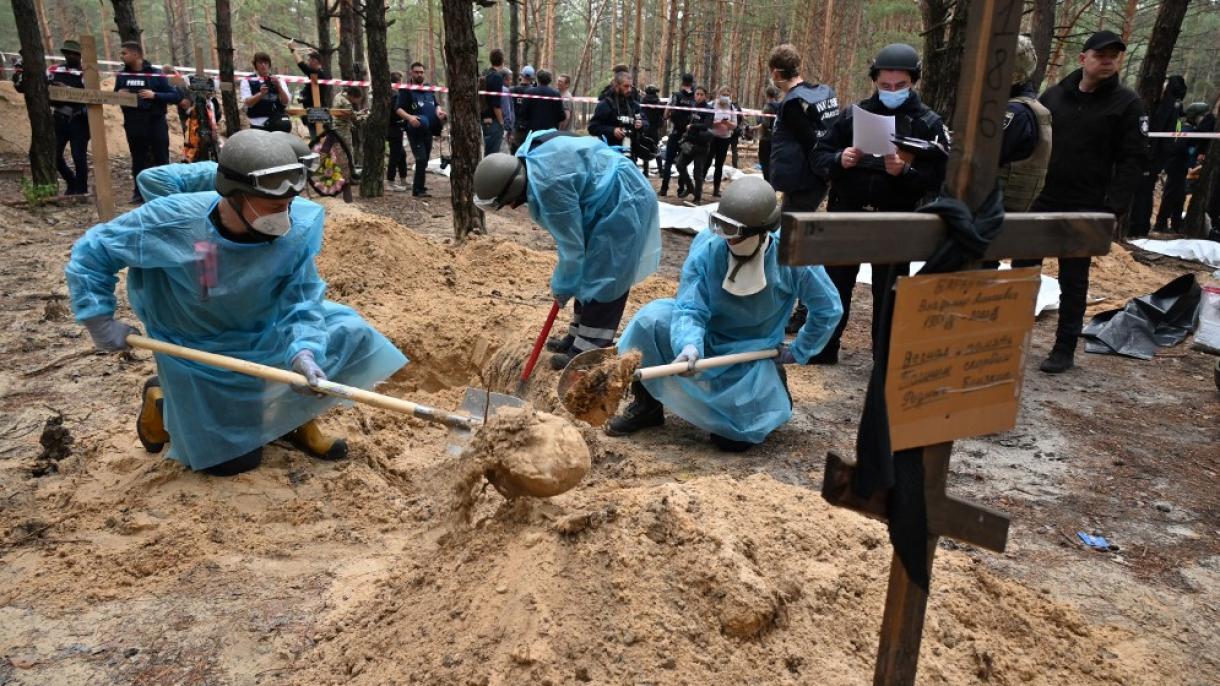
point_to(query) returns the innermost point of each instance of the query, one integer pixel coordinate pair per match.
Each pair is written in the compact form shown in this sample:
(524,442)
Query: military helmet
(1027,60)
(305,154)
(259,163)
(897,56)
(748,208)
(499,180)
(70,46)
(1194,111)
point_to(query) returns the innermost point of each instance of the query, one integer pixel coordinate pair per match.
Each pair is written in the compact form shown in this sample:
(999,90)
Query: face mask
(276,224)
(894,99)
(747,247)
(724,101)
(747,273)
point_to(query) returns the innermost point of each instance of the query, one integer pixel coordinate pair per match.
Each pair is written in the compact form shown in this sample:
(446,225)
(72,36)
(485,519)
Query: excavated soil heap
(595,396)
(523,452)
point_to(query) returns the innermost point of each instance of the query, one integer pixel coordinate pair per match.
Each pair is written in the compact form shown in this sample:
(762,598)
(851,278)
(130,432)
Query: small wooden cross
(884,238)
(94,97)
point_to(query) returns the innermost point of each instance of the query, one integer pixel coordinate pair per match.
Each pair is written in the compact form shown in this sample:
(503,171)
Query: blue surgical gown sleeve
(818,293)
(692,308)
(169,179)
(99,255)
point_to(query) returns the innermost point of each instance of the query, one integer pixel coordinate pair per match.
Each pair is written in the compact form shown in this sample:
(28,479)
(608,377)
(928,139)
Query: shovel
(478,403)
(584,365)
(538,343)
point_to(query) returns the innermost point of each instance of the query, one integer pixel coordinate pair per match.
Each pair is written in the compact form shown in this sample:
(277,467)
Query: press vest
(270,105)
(1022,180)
(791,168)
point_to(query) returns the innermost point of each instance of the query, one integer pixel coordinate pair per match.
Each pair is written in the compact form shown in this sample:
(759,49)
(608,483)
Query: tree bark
(639,41)
(1042,32)
(826,61)
(224,55)
(125,20)
(667,45)
(326,49)
(1204,187)
(37,95)
(514,39)
(683,35)
(466,138)
(43,27)
(347,39)
(171,29)
(1160,48)
(431,45)
(359,65)
(108,54)
(944,42)
(372,177)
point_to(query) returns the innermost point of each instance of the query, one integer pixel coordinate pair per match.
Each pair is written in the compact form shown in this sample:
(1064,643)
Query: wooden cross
(94,97)
(884,238)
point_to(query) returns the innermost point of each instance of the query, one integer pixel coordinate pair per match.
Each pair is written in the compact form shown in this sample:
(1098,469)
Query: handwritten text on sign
(957,354)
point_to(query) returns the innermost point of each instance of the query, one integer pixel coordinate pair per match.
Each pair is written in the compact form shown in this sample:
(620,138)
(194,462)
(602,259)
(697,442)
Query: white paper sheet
(872,133)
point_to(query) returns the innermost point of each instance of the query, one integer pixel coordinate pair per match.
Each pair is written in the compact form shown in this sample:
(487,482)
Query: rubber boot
(150,424)
(560,345)
(644,411)
(308,438)
(239,464)
(561,360)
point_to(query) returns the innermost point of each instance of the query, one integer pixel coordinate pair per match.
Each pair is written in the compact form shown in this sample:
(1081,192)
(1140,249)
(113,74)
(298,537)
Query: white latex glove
(689,355)
(305,365)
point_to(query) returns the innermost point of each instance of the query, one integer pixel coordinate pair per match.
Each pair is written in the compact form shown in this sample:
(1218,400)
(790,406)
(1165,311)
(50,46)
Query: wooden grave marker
(884,238)
(103,191)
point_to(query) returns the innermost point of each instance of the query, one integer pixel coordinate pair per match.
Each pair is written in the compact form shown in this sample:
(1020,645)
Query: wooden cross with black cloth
(958,341)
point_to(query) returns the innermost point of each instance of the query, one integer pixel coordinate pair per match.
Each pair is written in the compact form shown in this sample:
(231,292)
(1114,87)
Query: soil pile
(595,395)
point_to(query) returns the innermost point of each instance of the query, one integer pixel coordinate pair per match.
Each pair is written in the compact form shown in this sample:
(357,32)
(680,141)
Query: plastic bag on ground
(1158,320)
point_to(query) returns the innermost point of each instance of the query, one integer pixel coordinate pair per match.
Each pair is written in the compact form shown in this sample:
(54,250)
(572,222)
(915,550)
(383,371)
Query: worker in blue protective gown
(734,296)
(604,218)
(229,271)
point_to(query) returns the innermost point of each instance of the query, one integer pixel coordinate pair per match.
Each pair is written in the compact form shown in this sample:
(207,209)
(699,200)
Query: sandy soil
(671,563)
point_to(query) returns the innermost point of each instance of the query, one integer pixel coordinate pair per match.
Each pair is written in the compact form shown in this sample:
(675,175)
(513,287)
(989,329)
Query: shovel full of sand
(593,383)
(520,451)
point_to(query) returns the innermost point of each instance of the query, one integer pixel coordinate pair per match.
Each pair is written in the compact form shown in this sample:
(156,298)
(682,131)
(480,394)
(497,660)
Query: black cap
(1104,39)
(688,78)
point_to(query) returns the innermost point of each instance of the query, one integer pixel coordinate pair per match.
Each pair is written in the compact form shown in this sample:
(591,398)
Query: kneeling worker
(229,271)
(603,216)
(733,297)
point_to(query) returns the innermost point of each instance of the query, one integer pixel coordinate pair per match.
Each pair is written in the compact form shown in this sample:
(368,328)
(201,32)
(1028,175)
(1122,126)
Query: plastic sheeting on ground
(688,220)
(1158,320)
(1206,252)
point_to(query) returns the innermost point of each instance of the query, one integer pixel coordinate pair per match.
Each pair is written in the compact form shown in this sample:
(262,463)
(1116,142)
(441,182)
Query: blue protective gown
(744,402)
(600,210)
(265,305)
(171,179)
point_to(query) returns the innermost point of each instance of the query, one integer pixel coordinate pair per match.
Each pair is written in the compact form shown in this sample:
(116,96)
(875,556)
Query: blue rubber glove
(785,355)
(108,334)
(305,365)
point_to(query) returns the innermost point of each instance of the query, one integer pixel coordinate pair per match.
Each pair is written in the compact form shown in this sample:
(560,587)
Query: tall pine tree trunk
(108,54)
(683,36)
(347,39)
(125,19)
(462,68)
(326,49)
(667,46)
(37,96)
(224,53)
(1160,48)
(372,178)
(1042,33)
(514,39)
(944,44)
(639,41)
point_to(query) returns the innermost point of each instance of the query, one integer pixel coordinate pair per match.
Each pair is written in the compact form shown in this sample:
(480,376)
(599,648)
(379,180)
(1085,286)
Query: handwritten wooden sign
(957,354)
(92,97)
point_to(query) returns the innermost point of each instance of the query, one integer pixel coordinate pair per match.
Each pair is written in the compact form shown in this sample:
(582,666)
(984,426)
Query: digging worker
(734,296)
(1097,163)
(861,182)
(604,218)
(229,271)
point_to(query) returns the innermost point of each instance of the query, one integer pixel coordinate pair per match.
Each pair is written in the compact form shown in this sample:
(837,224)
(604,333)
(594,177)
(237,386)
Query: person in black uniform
(396,168)
(685,97)
(1098,159)
(617,116)
(766,122)
(145,125)
(71,122)
(524,82)
(646,145)
(1178,160)
(545,111)
(695,148)
(1164,119)
(264,97)
(861,182)
(309,61)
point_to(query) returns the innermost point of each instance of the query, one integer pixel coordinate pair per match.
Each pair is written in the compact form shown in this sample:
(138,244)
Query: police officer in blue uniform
(685,98)
(145,125)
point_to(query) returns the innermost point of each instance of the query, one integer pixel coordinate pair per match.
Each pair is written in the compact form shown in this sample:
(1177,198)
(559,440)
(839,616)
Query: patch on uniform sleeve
(948,137)
(1008,117)
(1144,125)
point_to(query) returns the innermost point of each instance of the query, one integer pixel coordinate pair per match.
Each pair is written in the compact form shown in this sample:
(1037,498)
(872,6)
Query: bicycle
(336,171)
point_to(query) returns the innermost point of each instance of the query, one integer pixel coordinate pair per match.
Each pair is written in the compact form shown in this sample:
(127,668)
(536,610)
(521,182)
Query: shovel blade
(477,402)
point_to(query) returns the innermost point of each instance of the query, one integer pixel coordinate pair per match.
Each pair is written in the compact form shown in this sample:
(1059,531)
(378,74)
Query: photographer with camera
(617,117)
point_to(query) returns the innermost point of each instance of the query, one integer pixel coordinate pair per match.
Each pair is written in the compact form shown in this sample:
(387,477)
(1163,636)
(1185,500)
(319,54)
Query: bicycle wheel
(334,173)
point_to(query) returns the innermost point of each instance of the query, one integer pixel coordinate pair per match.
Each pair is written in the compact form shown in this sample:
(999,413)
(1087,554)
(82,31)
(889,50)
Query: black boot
(799,314)
(1058,362)
(237,465)
(560,345)
(729,445)
(664,187)
(644,411)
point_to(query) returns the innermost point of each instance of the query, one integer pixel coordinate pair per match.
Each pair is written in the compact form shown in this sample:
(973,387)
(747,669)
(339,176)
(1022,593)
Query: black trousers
(421,149)
(673,146)
(1139,220)
(397,167)
(148,141)
(733,146)
(698,156)
(594,323)
(1173,199)
(720,149)
(73,131)
(764,158)
(844,278)
(1074,289)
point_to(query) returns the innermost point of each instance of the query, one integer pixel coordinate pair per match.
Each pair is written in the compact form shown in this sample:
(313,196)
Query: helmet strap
(739,262)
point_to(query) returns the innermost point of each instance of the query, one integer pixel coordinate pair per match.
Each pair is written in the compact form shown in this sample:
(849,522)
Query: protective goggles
(311,161)
(728,227)
(275,182)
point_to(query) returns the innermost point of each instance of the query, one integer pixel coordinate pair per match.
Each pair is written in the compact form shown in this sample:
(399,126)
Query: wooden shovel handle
(337,390)
(676,368)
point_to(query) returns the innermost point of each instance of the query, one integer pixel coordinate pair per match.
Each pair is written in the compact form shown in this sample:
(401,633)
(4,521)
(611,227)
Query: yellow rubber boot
(150,424)
(309,439)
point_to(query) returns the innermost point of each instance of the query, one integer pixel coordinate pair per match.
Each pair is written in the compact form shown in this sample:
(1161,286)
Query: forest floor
(671,564)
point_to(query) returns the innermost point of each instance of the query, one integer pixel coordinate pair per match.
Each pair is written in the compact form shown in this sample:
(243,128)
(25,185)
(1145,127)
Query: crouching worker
(733,297)
(603,215)
(229,271)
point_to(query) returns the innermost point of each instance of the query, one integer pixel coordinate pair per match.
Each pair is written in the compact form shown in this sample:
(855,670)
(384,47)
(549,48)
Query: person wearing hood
(861,182)
(734,296)
(145,125)
(602,214)
(1167,118)
(1098,160)
(71,122)
(228,271)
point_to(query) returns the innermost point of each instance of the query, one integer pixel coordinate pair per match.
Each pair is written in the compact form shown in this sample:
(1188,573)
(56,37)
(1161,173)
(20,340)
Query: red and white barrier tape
(1190,134)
